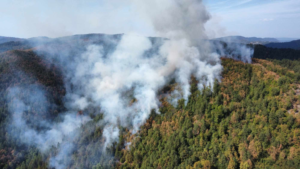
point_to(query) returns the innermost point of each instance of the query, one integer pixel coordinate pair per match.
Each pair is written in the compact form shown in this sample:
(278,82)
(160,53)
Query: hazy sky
(54,18)
(263,18)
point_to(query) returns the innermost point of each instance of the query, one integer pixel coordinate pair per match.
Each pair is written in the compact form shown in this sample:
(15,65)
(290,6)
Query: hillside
(248,120)
(285,45)
(263,52)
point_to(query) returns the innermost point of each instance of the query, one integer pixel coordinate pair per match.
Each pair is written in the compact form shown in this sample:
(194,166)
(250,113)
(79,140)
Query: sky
(261,18)
(55,18)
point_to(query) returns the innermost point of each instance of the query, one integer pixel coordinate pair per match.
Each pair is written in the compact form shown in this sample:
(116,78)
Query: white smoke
(136,65)
(104,80)
(233,50)
(23,99)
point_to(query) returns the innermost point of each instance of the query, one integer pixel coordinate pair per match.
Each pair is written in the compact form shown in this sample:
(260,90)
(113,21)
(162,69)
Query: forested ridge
(248,120)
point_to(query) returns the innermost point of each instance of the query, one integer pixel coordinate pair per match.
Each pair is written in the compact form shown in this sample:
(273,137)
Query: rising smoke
(99,75)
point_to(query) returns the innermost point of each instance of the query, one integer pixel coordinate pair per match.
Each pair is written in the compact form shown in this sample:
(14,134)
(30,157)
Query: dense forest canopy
(287,45)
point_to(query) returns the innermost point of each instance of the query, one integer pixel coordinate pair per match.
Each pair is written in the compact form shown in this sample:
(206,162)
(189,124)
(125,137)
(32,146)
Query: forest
(249,119)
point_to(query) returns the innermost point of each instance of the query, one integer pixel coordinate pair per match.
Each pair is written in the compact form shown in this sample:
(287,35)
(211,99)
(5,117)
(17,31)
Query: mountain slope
(243,123)
(250,119)
(286,45)
(263,52)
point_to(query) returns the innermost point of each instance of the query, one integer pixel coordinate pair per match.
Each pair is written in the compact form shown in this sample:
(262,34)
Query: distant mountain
(286,39)
(4,39)
(246,40)
(286,45)
(61,42)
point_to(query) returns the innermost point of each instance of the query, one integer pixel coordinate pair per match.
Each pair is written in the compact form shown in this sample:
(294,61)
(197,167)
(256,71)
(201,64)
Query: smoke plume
(122,75)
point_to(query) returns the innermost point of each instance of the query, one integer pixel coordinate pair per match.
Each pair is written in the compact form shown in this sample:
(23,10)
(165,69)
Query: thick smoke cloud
(177,19)
(104,80)
(122,75)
